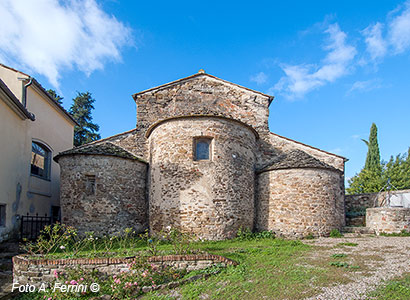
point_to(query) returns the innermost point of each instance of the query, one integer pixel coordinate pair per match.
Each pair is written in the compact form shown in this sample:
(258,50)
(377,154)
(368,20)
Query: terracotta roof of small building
(296,159)
(107,149)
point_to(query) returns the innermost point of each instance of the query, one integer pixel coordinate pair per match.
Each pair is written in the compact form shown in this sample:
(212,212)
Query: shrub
(245,234)
(310,236)
(335,233)
(140,274)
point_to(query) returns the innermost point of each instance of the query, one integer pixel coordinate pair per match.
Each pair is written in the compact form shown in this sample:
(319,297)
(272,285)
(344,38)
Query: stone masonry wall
(363,201)
(297,202)
(117,201)
(211,199)
(388,219)
(37,271)
(203,95)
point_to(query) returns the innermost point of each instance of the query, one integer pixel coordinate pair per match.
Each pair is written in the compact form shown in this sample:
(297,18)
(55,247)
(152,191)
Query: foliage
(400,234)
(310,236)
(57,98)
(348,244)
(339,264)
(397,171)
(335,233)
(181,241)
(339,255)
(53,238)
(356,212)
(87,131)
(245,234)
(60,240)
(376,175)
(373,152)
(397,289)
(140,274)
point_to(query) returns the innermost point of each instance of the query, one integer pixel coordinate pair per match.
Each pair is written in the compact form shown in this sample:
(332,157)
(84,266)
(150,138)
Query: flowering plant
(140,274)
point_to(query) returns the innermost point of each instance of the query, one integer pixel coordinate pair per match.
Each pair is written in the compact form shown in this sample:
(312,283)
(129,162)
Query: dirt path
(382,258)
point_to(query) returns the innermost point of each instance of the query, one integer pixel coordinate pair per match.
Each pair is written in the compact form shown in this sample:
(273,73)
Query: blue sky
(334,67)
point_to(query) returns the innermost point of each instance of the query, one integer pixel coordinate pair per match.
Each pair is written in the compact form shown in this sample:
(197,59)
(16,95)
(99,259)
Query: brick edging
(25,260)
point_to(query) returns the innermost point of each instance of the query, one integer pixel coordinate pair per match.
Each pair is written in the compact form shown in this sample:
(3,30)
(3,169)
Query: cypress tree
(373,152)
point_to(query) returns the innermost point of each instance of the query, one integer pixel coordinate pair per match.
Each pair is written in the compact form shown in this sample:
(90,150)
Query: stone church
(202,159)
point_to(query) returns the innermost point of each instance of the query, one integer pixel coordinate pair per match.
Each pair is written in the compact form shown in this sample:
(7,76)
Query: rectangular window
(2,215)
(90,185)
(202,148)
(40,160)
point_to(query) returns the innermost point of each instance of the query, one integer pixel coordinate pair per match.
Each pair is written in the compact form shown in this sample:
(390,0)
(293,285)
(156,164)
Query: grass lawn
(398,289)
(271,269)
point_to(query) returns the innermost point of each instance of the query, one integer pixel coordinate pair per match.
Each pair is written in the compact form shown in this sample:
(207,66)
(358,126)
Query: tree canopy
(81,109)
(376,175)
(57,98)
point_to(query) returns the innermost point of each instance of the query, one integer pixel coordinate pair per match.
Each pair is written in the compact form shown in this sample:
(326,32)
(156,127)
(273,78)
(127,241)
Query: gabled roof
(53,102)
(201,73)
(42,90)
(296,159)
(12,101)
(107,149)
(300,143)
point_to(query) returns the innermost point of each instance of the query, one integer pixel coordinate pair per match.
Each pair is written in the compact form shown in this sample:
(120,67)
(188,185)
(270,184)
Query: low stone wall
(37,271)
(356,205)
(388,219)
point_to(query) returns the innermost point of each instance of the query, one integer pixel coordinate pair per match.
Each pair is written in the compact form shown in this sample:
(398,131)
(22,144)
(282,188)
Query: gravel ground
(395,254)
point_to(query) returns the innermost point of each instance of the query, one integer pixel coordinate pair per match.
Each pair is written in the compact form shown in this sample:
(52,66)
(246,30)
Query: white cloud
(366,85)
(301,79)
(375,43)
(399,30)
(259,78)
(48,36)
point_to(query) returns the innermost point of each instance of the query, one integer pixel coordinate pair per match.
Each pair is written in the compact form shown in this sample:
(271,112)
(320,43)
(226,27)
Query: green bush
(335,233)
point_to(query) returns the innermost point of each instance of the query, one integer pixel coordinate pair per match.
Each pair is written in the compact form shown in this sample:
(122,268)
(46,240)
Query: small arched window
(40,160)
(203,148)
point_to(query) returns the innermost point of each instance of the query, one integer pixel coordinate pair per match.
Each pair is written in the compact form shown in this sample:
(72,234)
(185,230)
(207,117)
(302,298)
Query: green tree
(373,152)
(367,181)
(57,98)
(397,171)
(370,179)
(81,109)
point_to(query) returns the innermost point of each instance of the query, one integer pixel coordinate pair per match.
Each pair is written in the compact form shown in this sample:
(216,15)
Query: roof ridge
(315,148)
(296,158)
(198,75)
(100,149)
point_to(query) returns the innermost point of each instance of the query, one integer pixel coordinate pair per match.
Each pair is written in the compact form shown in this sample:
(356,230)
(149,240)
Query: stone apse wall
(117,200)
(210,198)
(298,202)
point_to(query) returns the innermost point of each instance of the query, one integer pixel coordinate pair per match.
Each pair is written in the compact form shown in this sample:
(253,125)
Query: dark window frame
(202,140)
(39,148)
(90,185)
(3,215)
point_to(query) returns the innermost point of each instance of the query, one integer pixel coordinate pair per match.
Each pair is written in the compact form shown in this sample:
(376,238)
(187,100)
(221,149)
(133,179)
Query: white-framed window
(40,160)
(203,148)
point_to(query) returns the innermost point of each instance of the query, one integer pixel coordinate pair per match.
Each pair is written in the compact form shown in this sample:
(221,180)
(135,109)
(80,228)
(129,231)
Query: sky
(334,67)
